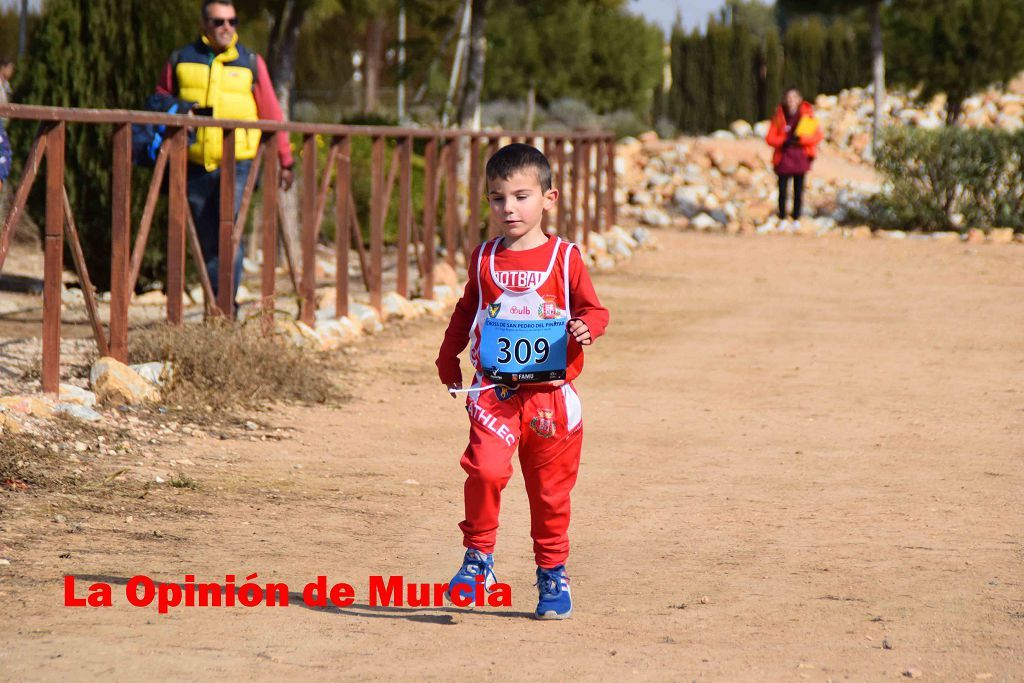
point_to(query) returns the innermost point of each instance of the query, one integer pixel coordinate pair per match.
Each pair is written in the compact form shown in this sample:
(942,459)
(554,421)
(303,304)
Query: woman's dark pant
(798,194)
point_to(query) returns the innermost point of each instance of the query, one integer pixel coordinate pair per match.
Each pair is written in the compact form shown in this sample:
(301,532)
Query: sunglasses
(217,23)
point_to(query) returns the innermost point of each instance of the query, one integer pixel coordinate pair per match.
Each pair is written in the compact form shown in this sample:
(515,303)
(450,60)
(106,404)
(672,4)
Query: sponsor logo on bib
(548,309)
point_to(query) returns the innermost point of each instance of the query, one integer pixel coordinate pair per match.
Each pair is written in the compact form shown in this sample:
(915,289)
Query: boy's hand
(580,332)
(454,387)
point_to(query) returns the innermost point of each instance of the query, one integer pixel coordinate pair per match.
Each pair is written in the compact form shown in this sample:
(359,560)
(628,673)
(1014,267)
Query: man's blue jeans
(204,200)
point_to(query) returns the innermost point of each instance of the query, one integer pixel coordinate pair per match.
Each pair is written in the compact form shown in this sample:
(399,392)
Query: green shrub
(948,179)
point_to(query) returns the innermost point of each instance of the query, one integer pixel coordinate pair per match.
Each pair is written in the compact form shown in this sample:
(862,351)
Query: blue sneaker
(475,563)
(555,601)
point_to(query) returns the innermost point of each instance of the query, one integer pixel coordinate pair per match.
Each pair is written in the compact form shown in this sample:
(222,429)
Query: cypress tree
(956,46)
(804,46)
(772,74)
(99,54)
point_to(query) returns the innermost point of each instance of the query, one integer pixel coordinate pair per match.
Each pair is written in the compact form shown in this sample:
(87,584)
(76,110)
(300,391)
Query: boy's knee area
(488,472)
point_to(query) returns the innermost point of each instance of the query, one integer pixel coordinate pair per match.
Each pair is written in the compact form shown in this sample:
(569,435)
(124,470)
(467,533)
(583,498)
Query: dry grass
(31,461)
(226,366)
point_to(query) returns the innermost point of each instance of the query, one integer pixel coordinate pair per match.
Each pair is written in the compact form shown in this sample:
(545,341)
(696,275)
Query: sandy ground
(795,449)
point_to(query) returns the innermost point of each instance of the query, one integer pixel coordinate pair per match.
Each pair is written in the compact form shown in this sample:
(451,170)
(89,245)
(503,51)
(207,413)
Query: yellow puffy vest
(223,81)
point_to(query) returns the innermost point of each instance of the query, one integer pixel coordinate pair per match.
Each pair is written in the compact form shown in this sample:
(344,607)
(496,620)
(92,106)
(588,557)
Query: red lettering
(418,595)
(500,596)
(69,593)
(277,594)
(131,591)
(169,596)
(479,591)
(342,594)
(386,594)
(315,593)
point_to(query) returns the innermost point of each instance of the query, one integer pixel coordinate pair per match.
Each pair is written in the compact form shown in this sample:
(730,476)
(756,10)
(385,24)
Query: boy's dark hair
(789,89)
(517,157)
(207,3)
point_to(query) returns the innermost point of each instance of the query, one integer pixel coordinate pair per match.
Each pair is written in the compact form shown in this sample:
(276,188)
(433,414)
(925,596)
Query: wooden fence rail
(584,176)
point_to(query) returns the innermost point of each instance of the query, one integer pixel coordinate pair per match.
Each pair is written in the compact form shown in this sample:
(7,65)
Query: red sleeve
(457,335)
(776,133)
(268,108)
(585,304)
(165,86)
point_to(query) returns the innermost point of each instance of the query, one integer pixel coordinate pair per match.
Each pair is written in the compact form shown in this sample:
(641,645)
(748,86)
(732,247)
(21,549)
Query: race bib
(516,351)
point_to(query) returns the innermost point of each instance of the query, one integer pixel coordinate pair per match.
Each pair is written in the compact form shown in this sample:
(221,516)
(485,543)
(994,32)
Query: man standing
(225,79)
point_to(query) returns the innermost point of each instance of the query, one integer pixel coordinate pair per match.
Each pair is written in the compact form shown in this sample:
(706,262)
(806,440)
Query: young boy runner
(528,309)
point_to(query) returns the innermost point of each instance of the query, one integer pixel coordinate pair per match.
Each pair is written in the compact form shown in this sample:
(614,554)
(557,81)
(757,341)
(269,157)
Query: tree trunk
(22,29)
(878,72)
(531,106)
(281,46)
(374,61)
(460,47)
(954,107)
(401,62)
(421,92)
(475,71)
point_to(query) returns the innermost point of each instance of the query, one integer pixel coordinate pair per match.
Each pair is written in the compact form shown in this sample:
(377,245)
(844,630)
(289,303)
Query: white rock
(598,243)
(703,222)
(432,307)
(72,297)
(688,201)
(77,411)
(641,198)
(246,296)
(604,262)
(333,333)
(892,234)
(115,383)
(619,248)
(741,128)
(156,372)
(69,393)
(761,128)
(723,135)
(617,232)
(642,236)
(397,307)
(656,217)
(368,316)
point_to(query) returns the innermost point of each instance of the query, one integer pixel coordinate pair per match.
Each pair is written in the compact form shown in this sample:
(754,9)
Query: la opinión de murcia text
(382,591)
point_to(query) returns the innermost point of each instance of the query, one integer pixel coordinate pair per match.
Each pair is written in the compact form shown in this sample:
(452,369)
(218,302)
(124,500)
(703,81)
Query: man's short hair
(517,157)
(207,3)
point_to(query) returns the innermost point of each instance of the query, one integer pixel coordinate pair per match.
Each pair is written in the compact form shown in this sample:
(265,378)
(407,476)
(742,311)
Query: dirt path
(822,438)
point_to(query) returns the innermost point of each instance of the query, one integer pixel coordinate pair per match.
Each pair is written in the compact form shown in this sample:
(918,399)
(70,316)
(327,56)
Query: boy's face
(518,203)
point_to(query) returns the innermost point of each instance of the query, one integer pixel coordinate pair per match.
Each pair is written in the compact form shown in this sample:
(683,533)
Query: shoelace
(549,582)
(475,565)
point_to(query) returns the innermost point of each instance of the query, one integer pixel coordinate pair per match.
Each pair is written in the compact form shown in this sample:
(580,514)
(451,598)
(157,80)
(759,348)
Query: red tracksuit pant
(546,425)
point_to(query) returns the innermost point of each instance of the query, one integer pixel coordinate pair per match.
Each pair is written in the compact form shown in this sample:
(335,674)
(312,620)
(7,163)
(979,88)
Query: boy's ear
(550,197)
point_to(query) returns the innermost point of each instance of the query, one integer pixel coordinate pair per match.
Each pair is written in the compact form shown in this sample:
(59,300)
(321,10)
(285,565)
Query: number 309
(524,351)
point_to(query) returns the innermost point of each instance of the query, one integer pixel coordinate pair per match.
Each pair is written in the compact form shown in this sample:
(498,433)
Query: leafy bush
(948,179)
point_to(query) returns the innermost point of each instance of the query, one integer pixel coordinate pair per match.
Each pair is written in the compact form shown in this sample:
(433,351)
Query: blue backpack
(147,138)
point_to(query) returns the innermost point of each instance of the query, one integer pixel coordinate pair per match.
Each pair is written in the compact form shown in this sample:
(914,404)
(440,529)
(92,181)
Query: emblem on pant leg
(544,423)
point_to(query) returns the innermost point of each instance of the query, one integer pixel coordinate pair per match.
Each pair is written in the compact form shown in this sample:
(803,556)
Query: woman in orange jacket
(795,134)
